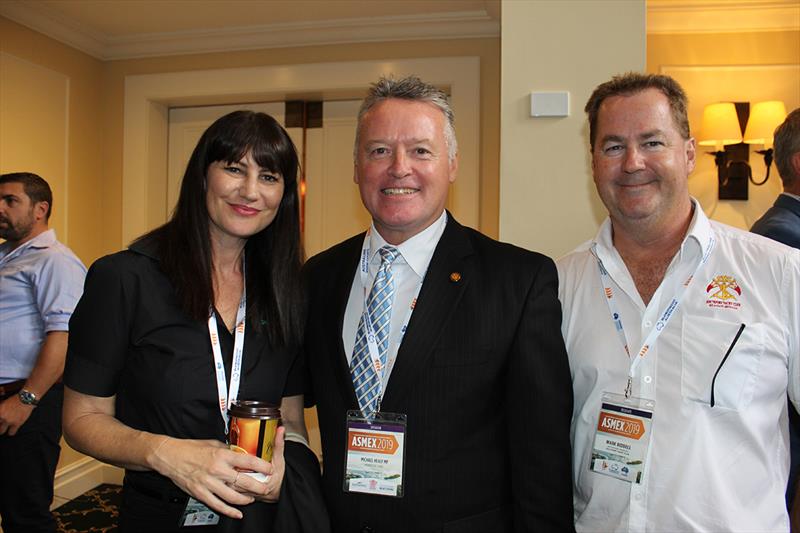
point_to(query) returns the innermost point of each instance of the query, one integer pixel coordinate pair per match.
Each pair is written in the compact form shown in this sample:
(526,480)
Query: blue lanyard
(372,344)
(661,324)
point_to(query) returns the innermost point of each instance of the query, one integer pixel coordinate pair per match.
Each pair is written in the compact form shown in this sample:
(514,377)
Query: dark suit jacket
(483,376)
(781,222)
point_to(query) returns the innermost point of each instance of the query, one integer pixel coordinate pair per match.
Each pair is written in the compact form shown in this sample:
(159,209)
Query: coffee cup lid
(253,409)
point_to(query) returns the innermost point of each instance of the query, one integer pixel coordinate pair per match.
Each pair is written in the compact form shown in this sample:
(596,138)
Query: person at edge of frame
(41,280)
(682,333)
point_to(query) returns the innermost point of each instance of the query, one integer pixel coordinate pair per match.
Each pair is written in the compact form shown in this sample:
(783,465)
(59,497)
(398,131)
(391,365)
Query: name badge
(622,437)
(197,514)
(375,454)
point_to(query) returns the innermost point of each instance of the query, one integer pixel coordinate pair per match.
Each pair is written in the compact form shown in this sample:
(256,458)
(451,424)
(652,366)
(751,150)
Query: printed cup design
(253,425)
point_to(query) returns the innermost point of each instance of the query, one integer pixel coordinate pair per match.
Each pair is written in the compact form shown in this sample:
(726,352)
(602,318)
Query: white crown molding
(721,16)
(465,24)
(40,19)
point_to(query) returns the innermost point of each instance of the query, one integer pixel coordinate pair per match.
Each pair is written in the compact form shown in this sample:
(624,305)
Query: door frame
(148,98)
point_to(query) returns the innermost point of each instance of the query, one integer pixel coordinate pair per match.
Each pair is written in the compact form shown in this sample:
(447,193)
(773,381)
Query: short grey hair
(414,89)
(787,143)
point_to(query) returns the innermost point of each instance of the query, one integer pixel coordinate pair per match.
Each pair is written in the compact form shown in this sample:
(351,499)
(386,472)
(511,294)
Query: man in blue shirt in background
(41,280)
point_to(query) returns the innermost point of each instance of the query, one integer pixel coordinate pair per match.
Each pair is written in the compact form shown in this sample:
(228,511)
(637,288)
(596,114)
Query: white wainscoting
(84,474)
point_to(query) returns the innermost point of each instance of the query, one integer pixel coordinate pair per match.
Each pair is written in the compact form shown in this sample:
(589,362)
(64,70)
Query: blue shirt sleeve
(58,289)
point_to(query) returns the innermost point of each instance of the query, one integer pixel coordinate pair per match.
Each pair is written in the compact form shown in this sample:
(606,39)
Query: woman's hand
(206,469)
(293,422)
(270,489)
(212,473)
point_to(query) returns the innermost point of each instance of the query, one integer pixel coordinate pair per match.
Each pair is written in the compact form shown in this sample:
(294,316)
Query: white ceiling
(120,29)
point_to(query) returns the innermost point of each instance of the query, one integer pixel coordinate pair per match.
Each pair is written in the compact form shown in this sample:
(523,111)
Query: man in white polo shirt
(683,337)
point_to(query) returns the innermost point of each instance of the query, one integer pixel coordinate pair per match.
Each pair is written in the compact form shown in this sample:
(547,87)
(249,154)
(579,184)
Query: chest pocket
(703,347)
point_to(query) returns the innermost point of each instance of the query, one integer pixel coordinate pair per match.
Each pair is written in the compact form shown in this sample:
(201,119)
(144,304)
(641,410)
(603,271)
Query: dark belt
(10,389)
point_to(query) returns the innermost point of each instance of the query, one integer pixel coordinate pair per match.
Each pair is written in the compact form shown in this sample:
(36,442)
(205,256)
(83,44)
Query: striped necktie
(366,378)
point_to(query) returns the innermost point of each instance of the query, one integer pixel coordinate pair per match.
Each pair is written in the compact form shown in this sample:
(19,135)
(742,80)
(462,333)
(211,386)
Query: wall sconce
(764,118)
(722,128)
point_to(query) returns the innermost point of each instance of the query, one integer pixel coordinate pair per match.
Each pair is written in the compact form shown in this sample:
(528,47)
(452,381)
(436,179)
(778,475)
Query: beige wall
(97,106)
(487,50)
(83,137)
(31,95)
(754,48)
(547,197)
(744,67)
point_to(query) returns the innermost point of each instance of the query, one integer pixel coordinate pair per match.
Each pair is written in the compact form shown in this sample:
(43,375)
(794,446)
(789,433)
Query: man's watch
(28,398)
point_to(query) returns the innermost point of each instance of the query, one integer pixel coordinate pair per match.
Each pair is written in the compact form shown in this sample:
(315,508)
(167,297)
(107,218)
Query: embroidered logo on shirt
(723,292)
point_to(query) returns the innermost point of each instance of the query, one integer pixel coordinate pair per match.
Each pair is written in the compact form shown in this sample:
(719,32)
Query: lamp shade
(720,125)
(764,118)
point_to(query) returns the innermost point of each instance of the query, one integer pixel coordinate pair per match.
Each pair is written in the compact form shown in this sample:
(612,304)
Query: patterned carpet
(94,511)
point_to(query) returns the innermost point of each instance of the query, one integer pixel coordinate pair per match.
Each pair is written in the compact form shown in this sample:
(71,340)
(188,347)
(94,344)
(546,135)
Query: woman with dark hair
(199,312)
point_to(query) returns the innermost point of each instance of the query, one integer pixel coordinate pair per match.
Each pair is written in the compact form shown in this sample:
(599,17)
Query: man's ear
(794,161)
(355,173)
(40,210)
(453,169)
(691,154)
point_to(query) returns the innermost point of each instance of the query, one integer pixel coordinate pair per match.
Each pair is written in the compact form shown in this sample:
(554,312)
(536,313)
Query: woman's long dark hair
(273,256)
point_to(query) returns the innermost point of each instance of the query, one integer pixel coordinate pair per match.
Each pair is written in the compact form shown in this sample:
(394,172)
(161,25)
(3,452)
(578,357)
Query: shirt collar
(146,246)
(699,233)
(46,239)
(790,195)
(416,251)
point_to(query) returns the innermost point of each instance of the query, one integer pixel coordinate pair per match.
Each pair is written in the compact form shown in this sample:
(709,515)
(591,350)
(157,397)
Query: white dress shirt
(408,272)
(721,468)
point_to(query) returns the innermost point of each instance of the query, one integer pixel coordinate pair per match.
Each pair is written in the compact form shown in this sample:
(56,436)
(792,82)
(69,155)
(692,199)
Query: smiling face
(242,199)
(402,167)
(640,161)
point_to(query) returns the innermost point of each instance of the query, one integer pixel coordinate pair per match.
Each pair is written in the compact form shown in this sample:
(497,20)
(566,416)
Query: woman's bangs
(268,156)
(268,150)
(275,152)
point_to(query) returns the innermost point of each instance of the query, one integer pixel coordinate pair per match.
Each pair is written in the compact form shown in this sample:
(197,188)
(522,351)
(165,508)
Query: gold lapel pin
(455,277)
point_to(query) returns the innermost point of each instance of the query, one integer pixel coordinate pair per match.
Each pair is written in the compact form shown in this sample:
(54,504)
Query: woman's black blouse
(128,337)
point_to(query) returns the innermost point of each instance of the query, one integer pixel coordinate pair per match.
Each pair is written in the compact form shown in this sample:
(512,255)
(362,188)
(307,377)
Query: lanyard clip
(628,388)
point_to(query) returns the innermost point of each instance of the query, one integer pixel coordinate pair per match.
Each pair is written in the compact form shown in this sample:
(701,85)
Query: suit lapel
(340,292)
(437,300)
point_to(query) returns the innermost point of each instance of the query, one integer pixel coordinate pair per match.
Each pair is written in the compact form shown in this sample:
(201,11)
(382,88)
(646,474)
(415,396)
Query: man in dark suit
(781,223)
(459,411)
